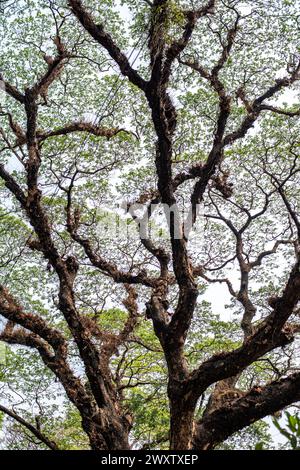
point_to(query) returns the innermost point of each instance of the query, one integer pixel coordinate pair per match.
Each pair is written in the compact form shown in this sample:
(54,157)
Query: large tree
(186,112)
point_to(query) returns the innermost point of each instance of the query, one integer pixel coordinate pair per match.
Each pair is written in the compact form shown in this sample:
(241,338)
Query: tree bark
(182,419)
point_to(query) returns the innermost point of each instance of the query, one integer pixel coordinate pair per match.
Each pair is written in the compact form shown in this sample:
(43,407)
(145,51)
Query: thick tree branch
(102,37)
(283,112)
(11,310)
(270,335)
(12,91)
(254,108)
(256,404)
(87,127)
(178,46)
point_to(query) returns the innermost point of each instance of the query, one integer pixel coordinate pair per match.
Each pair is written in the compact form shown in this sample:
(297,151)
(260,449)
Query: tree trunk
(182,411)
(107,432)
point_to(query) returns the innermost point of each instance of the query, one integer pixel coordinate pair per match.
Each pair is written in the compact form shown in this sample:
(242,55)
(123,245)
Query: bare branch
(33,429)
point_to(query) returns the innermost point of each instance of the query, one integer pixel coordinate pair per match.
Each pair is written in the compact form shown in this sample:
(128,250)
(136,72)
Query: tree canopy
(149,223)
